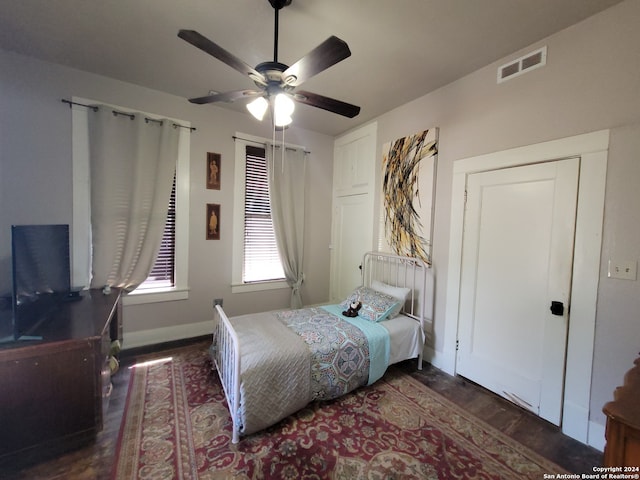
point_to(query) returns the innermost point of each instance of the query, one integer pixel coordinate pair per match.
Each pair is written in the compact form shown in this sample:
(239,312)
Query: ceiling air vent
(524,64)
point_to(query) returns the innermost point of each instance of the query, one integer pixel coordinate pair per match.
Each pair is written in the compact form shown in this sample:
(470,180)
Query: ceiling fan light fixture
(258,108)
(282,121)
(283,107)
(273,77)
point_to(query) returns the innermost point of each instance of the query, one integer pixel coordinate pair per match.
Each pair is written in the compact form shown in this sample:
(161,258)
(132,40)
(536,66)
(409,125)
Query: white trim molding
(154,336)
(592,148)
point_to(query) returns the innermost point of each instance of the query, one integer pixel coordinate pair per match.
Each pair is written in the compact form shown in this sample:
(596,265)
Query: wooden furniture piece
(53,391)
(623,423)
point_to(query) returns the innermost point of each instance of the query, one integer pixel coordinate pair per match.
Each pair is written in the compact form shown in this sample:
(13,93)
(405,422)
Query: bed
(272,364)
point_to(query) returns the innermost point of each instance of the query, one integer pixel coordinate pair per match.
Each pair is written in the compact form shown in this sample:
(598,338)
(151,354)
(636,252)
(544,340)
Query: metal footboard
(226,357)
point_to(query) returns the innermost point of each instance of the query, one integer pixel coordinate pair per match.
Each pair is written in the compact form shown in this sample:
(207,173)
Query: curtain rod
(130,115)
(264,144)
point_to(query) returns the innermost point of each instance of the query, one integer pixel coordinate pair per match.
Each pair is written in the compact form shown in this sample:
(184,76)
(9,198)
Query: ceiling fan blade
(207,46)
(328,53)
(326,103)
(226,97)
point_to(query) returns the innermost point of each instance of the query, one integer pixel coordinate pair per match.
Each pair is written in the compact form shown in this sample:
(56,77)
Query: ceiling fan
(277,83)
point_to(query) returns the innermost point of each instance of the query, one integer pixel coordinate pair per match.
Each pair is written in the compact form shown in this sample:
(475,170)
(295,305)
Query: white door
(352,217)
(352,238)
(517,259)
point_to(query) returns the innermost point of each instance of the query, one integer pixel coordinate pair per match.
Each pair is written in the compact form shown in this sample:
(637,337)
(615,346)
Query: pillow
(400,293)
(376,306)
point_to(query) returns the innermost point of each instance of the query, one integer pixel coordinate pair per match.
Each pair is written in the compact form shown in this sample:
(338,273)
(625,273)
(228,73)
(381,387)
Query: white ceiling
(401,49)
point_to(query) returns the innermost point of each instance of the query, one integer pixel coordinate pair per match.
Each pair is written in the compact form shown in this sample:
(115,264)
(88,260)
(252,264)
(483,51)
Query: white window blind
(163,272)
(261,257)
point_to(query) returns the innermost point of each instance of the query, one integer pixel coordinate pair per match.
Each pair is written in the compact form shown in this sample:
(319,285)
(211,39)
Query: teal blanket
(345,353)
(379,343)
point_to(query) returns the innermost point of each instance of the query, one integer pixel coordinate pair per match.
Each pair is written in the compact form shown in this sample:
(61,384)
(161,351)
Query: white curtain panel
(132,164)
(287,182)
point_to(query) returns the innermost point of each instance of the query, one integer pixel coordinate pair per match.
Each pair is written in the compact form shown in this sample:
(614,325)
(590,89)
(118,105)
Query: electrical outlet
(217,301)
(624,270)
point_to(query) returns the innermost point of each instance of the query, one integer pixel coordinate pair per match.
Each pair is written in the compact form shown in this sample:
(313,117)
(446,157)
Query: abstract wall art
(408,194)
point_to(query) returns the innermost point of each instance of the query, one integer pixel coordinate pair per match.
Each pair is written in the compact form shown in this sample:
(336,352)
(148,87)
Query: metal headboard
(401,271)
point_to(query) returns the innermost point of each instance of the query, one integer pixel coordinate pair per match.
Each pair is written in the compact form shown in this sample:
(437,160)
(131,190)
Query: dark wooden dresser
(53,391)
(623,423)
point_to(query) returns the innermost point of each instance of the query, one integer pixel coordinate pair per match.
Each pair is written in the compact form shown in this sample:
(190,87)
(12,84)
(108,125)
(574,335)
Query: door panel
(352,222)
(517,259)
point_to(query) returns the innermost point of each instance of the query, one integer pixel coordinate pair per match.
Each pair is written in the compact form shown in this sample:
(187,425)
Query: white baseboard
(440,360)
(575,421)
(596,436)
(165,334)
(576,424)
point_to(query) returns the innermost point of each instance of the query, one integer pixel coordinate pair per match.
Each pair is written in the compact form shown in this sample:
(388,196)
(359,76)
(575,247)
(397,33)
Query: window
(170,272)
(162,274)
(261,258)
(169,276)
(256,262)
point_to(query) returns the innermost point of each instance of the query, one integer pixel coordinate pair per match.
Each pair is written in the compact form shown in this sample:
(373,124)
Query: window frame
(81,235)
(237,284)
(260,246)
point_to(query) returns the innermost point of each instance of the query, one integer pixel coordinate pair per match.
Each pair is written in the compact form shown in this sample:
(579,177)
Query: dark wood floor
(94,461)
(539,435)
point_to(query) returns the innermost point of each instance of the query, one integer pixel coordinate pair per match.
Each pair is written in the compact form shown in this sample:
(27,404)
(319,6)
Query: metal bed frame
(394,270)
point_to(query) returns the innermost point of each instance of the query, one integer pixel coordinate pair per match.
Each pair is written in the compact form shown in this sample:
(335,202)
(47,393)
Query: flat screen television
(41,275)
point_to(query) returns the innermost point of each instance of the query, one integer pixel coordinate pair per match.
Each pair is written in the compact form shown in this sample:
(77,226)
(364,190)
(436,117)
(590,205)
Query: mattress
(406,338)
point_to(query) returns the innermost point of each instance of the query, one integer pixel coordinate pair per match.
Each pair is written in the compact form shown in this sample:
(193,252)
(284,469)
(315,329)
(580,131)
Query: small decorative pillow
(376,306)
(400,293)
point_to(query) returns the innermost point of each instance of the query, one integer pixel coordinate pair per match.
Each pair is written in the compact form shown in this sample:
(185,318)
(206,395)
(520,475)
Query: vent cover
(524,64)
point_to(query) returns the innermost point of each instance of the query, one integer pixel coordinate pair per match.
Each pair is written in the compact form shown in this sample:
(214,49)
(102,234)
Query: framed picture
(213,221)
(213,171)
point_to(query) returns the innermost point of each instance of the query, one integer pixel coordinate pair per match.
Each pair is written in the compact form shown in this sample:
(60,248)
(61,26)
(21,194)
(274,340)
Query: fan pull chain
(283,149)
(273,148)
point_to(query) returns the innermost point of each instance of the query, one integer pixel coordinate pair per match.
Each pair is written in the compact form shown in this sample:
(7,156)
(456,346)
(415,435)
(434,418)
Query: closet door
(516,282)
(352,219)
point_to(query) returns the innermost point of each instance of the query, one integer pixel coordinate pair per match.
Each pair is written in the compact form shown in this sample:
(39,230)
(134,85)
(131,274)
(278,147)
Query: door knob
(557,308)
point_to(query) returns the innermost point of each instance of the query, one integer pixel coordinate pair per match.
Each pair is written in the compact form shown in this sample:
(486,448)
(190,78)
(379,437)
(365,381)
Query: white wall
(35,187)
(591,82)
(617,340)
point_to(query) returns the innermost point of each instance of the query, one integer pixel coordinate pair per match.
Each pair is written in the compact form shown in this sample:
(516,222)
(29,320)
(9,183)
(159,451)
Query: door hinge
(457,345)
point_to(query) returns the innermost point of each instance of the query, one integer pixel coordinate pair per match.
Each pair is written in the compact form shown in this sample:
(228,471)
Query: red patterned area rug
(177,426)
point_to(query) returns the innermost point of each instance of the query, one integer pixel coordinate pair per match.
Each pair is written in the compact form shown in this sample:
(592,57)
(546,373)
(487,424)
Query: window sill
(155,296)
(258,286)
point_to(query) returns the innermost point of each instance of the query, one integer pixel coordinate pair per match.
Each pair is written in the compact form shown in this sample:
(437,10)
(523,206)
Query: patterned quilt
(339,351)
(291,358)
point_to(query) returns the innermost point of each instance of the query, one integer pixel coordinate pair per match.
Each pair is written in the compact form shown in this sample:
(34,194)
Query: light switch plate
(624,270)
